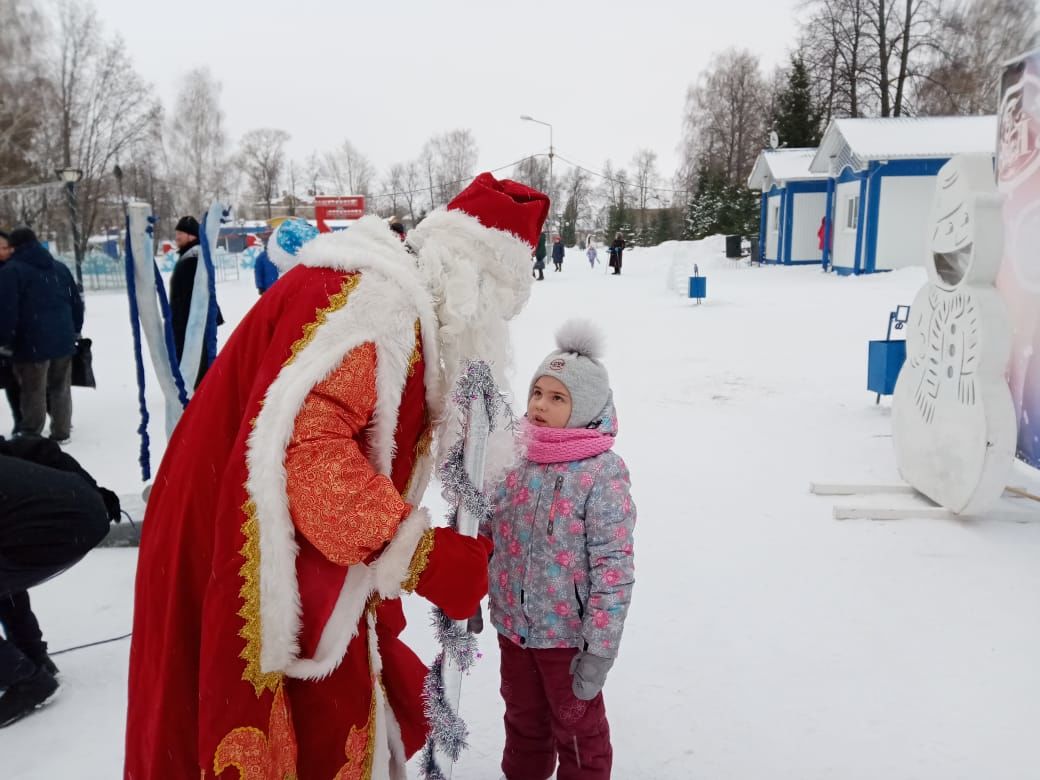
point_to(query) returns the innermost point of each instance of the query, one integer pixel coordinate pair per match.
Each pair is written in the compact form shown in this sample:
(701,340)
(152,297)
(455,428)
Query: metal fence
(103,272)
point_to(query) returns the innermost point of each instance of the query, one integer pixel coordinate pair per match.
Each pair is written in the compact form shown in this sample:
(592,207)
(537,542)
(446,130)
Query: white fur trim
(341,628)
(370,246)
(388,759)
(500,256)
(380,310)
(391,570)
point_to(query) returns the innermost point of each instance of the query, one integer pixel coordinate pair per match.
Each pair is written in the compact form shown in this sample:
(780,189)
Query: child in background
(562,572)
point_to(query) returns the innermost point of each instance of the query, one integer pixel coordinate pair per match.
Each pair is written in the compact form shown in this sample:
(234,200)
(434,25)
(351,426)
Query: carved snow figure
(953,422)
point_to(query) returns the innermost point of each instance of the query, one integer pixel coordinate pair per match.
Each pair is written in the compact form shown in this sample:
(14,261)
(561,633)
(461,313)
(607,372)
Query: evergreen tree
(664,227)
(569,222)
(705,212)
(796,119)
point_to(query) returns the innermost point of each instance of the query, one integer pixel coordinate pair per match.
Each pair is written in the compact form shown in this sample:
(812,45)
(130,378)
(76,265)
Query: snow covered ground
(765,640)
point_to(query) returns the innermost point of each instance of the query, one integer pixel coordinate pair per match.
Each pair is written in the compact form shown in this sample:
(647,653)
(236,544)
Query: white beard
(479,279)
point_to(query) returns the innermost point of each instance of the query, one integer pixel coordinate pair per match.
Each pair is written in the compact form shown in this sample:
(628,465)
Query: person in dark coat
(7,377)
(182,283)
(265,272)
(41,316)
(557,253)
(52,513)
(539,259)
(616,250)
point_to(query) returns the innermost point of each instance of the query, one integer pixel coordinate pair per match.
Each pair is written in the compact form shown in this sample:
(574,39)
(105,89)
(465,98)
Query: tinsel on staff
(448,731)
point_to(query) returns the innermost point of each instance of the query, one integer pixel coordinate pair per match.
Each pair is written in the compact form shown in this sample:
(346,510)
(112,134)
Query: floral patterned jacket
(563,567)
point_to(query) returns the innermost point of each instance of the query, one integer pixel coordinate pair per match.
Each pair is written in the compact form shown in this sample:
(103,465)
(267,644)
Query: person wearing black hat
(182,283)
(41,316)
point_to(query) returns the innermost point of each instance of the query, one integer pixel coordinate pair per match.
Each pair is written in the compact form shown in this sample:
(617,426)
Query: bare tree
(645,176)
(975,38)
(534,172)
(901,33)
(724,122)
(393,184)
(21,83)
(412,183)
(451,158)
(262,157)
(103,112)
(197,144)
(836,50)
(350,170)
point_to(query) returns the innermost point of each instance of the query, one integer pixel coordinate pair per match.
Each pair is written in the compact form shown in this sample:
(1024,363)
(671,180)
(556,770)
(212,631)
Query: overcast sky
(610,76)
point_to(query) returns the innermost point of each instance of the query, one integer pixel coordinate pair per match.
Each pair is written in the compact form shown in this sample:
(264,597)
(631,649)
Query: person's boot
(15,666)
(38,655)
(24,697)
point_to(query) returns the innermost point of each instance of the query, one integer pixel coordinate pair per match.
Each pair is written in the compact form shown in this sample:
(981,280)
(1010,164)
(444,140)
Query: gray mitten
(589,672)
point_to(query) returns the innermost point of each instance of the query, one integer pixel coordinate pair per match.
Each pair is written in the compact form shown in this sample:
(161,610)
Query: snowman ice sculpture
(953,421)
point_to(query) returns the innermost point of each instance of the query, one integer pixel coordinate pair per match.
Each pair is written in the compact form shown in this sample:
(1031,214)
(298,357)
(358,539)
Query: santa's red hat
(504,205)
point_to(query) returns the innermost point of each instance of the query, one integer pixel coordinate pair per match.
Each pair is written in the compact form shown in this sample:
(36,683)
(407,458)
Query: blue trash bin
(884,360)
(699,288)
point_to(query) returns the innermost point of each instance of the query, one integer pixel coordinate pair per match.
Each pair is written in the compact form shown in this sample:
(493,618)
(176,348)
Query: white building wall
(844,237)
(809,208)
(903,214)
(772,226)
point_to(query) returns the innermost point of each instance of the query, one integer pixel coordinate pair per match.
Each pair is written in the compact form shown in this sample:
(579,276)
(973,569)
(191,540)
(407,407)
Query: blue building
(794,201)
(880,178)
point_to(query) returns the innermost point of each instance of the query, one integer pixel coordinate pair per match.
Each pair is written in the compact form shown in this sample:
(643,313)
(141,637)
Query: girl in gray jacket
(562,571)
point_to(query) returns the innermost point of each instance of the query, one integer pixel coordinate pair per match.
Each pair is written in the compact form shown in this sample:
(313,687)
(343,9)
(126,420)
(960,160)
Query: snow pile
(765,639)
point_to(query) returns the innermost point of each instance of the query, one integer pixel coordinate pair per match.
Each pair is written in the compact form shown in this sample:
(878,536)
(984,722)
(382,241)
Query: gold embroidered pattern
(413,361)
(250,610)
(337,501)
(360,747)
(259,756)
(336,302)
(420,558)
(250,571)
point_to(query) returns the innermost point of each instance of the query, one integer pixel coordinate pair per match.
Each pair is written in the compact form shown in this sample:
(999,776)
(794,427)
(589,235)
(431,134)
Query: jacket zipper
(530,549)
(552,508)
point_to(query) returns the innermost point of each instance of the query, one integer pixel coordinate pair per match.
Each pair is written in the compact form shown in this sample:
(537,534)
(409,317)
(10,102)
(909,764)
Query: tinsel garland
(447,730)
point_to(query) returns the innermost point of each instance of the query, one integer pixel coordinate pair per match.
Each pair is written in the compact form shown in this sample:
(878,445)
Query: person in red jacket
(285,523)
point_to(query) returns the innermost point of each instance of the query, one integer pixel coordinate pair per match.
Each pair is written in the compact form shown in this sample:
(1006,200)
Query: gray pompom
(582,337)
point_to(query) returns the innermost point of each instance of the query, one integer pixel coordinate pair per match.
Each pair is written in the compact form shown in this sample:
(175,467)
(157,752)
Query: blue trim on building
(915,167)
(787,195)
(785,252)
(858,264)
(763,243)
(841,270)
(828,225)
(874,176)
(763,218)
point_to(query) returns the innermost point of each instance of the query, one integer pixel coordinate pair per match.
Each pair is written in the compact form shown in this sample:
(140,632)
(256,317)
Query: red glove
(455,577)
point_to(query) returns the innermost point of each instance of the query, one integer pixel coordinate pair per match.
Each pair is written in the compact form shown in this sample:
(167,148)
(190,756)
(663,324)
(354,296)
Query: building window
(774,221)
(852,212)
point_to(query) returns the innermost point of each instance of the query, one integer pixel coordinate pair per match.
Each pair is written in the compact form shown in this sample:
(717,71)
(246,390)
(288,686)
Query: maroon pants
(544,720)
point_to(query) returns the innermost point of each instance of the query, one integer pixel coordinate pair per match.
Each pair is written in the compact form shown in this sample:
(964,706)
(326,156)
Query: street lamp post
(70,176)
(552,203)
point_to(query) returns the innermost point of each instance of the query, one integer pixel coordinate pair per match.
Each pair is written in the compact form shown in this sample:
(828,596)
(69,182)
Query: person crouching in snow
(562,572)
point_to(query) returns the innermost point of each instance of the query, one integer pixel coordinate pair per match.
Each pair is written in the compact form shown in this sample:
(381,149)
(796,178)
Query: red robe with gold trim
(281,530)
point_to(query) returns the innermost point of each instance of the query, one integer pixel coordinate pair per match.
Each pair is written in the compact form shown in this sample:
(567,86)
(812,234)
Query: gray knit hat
(576,363)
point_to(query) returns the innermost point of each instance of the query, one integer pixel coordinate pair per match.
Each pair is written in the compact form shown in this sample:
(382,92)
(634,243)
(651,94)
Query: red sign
(340,207)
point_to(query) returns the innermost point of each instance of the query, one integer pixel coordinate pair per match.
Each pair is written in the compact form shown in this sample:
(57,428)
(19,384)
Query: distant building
(869,186)
(881,180)
(794,201)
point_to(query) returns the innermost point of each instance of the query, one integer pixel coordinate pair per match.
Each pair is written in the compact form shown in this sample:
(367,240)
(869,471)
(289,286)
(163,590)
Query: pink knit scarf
(562,445)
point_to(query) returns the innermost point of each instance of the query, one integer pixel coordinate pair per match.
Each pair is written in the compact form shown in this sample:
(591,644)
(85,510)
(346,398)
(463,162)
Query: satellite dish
(774,139)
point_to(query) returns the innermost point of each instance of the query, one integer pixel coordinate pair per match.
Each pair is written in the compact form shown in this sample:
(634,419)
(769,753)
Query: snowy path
(765,640)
